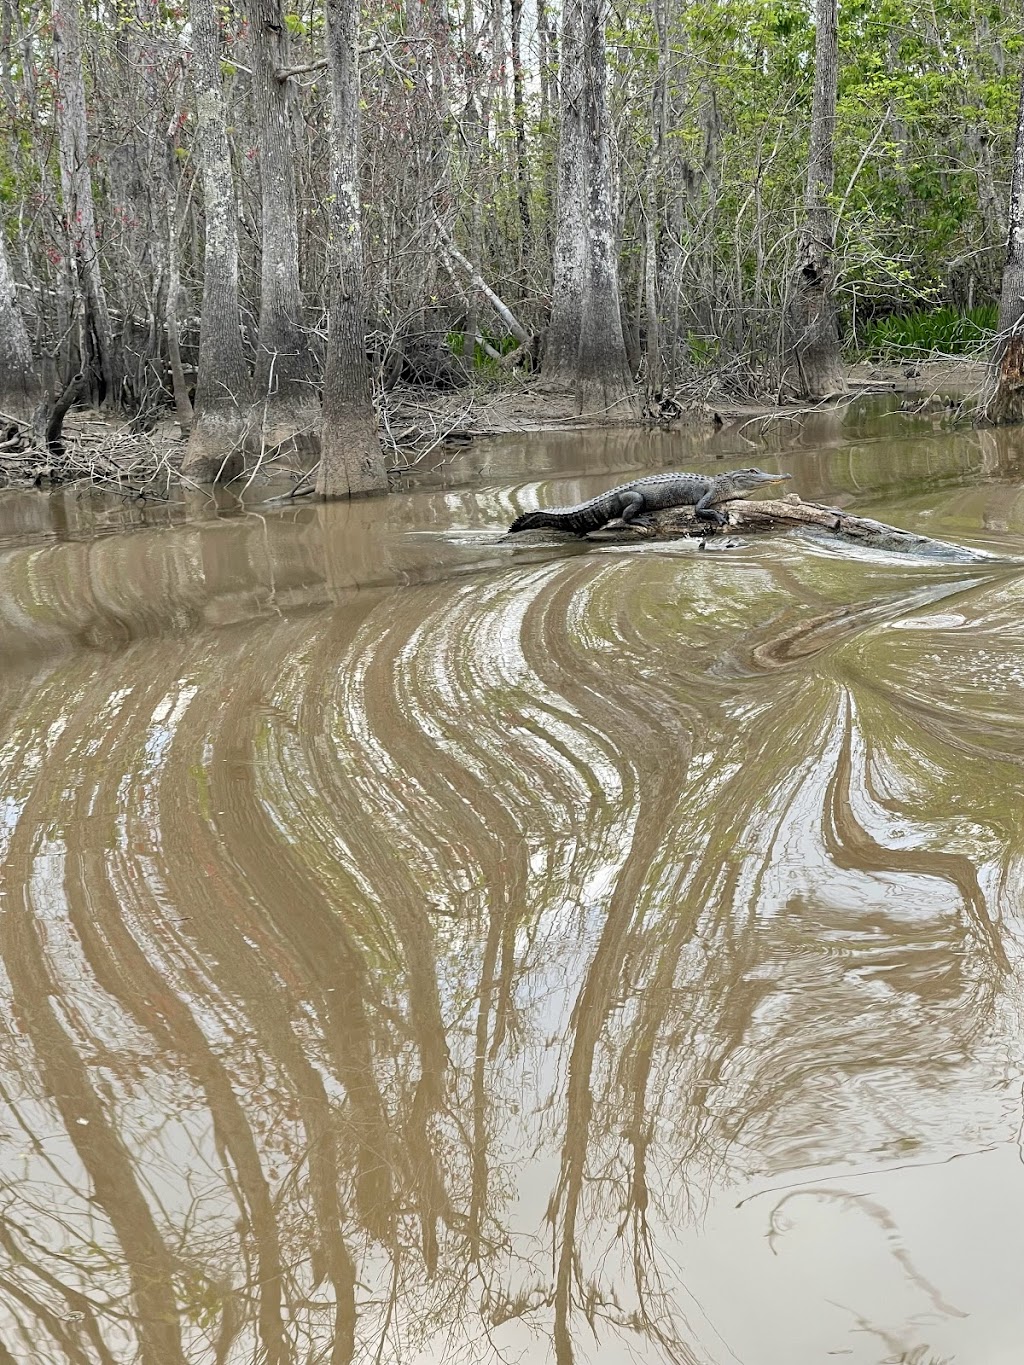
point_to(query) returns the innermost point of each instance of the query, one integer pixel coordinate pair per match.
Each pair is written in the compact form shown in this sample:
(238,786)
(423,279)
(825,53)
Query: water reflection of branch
(852,846)
(325,895)
(880,1215)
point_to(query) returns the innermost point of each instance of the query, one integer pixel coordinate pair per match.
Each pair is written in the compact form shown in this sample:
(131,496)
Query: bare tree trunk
(561,345)
(1005,398)
(79,209)
(651,292)
(472,131)
(547,63)
(285,368)
(21,393)
(814,353)
(223,391)
(519,120)
(351,459)
(604,382)
(182,402)
(165,159)
(585,346)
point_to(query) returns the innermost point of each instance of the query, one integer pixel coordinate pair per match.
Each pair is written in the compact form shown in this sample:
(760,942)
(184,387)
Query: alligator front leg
(705,512)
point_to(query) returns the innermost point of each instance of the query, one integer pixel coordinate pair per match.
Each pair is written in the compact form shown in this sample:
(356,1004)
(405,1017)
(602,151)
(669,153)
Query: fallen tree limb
(481,286)
(790,513)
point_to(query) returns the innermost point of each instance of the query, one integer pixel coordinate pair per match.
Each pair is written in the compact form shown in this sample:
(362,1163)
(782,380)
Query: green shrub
(943,330)
(482,362)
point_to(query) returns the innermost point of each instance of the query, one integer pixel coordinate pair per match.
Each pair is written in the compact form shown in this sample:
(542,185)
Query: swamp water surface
(415,949)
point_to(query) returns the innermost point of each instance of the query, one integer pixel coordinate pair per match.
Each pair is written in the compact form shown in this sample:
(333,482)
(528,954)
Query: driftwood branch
(790,513)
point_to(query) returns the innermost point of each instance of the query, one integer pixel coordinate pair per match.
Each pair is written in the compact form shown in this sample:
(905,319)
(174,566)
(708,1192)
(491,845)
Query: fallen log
(788,514)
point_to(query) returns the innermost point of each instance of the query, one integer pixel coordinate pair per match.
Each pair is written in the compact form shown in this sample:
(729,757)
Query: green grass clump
(943,331)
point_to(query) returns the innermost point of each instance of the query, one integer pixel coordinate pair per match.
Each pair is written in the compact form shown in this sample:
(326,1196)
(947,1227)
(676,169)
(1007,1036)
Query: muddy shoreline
(424,429)
(469,415)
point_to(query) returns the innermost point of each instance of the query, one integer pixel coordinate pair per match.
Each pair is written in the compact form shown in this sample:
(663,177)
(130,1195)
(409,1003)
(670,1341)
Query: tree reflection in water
(397,979)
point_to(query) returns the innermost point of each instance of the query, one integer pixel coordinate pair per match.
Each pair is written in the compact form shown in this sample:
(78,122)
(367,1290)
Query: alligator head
(736,482)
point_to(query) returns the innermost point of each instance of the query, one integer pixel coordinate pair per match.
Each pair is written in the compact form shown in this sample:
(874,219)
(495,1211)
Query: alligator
(630,502)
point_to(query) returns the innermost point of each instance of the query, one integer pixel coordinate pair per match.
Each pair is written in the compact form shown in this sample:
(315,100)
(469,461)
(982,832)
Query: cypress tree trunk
(1005,398)
(351,460)
(815,361)
(603,381)
(97,344)
(585,346)
(285,368)
(223,392)
(21,392)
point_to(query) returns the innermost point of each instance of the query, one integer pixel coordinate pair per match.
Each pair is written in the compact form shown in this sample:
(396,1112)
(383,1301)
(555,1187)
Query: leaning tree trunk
(1005,398)
(815,362)
(351,459)
(97,344)
(21,392)
(285,366)
(223,399)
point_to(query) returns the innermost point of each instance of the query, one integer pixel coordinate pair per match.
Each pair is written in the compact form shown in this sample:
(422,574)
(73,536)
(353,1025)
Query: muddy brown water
(414,949)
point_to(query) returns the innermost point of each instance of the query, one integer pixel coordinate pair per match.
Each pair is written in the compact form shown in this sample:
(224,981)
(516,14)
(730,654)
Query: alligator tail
(530,521)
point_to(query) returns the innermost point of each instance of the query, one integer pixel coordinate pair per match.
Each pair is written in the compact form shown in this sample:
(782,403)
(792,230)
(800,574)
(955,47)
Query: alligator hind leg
(632,513)
(632,507)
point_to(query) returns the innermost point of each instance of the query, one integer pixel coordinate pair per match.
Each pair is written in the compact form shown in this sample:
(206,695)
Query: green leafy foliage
(943,331)
(483,364)
(923,139)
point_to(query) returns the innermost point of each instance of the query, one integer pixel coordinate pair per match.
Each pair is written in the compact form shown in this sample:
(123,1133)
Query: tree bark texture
(815,361)
(351,459)
(472,129)
(223,400)
(585,346)
(1005,398)
(285,366)
(603,382)
(21,393)
(547,63)
(182,401)
(97,343)
(519,120)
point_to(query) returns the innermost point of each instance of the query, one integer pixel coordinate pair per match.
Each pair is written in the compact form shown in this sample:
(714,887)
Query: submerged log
(787,514)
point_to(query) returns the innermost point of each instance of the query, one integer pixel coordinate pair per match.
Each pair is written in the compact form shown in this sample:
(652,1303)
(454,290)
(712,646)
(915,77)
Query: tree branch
(477,280)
